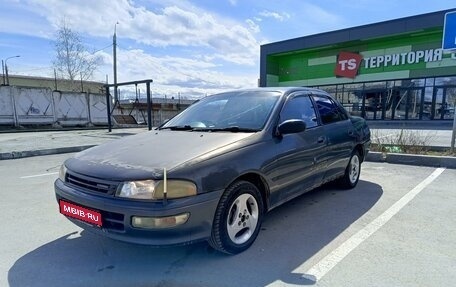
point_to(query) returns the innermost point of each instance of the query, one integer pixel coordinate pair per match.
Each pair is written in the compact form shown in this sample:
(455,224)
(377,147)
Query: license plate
(79,212)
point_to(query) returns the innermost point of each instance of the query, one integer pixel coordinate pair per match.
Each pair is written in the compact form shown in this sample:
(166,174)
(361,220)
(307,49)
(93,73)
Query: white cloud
(254,27)
(168,26)
(173,75)
(275,15)
(233,2)
(199,52)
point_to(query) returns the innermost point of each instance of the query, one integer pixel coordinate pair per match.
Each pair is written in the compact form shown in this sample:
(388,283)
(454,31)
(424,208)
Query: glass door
(450,96)
(443,103)
(409,104)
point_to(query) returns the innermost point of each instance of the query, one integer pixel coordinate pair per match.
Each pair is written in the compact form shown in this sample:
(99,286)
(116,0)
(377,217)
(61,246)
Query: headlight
(151,189)
(62,172)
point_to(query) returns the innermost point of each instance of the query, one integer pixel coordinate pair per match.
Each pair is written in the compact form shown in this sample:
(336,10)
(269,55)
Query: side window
(329,111)
(301,108)
(342,112)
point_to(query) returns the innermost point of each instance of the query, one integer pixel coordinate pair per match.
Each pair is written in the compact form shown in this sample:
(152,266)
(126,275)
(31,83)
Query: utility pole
(55,79)
(3,72)
(114,53)
(449,46)
(7,78)
(82,85)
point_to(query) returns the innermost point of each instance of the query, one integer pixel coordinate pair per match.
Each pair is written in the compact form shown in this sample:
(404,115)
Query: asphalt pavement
(22,144)
(393,229)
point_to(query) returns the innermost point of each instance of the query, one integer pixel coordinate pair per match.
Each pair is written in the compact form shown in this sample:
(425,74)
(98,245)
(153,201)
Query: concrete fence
(42,106)
(22,106)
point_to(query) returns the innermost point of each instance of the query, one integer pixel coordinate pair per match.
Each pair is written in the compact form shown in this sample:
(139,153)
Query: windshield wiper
(234,129)
(178,128)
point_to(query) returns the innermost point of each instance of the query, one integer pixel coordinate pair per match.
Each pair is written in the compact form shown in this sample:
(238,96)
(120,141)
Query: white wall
(42,106)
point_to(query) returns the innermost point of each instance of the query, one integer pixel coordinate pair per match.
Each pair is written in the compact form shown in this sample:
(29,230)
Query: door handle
(321,139)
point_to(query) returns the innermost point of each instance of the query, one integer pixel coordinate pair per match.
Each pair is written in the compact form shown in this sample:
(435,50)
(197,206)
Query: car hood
(145,155)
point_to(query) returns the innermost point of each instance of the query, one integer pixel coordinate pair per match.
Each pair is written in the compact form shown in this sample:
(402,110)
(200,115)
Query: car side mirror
(291,127)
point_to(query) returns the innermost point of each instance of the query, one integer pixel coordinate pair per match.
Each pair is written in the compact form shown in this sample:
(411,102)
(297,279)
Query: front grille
(91,184)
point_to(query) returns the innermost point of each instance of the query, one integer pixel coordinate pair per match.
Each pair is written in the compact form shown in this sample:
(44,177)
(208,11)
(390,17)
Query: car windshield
(233,111)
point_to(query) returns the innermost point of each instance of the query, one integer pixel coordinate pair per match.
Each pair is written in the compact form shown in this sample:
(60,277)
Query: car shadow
(291,235)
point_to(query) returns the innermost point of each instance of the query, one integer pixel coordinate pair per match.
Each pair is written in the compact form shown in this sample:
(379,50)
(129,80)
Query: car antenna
(165,198)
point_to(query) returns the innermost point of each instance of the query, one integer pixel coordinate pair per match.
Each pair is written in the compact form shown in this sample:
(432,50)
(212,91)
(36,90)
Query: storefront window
(351,97)
(331,89)
(445,102)
(414,104)
(389,99)
(409,99)
(445,81)
(430,82)
(399,104)
(438,103)
(427,104)
(418,82)
(375,99)
(451,103)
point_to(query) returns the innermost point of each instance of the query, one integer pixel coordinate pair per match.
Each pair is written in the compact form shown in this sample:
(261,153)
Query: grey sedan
(213,171)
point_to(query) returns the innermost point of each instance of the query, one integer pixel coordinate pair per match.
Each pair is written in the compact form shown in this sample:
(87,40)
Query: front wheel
(351,176)
(237,219)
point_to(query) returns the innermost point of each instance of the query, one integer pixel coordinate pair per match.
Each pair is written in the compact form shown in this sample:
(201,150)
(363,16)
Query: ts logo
(348,64)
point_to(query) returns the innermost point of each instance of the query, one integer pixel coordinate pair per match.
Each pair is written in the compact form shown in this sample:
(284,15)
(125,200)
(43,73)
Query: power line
(34,69)
(110,45)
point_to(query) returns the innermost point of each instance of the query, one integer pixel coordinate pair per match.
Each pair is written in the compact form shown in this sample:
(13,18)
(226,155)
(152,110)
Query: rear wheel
(352,172)
(238,218)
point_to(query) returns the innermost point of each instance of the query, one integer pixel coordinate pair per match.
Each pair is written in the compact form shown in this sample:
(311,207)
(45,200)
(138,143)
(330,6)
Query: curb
(411,124)
(412,159)
(30,153)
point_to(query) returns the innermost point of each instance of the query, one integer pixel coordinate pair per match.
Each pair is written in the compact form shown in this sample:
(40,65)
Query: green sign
(411,55)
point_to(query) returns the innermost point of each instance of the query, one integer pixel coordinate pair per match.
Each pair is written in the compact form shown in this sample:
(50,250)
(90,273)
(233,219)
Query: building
(393,70)
(56,84)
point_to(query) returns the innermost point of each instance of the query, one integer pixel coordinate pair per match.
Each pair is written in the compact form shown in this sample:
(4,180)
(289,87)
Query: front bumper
(117,216)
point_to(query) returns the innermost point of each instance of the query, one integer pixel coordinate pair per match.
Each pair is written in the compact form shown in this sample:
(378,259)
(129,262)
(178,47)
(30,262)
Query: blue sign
(449,31)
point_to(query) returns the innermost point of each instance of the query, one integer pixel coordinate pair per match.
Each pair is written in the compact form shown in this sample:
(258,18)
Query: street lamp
(114,52)
(5,72)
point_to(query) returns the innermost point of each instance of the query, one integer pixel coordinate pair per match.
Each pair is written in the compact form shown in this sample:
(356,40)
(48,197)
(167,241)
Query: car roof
(283,90)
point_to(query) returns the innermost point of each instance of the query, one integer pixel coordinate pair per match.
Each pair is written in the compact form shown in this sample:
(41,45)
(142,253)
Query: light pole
(6,69)
(114,55)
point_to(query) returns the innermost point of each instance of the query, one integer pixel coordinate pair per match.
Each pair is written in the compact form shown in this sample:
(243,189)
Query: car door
(298,165)
(338,130)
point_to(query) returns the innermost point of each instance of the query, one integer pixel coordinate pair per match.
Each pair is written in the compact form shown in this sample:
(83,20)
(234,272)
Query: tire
(238,218)
(351,176)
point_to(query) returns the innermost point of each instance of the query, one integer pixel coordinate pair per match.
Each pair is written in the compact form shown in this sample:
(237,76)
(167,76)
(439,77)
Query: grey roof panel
(376,30)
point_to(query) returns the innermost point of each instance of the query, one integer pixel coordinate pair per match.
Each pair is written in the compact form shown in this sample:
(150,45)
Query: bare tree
(72,60)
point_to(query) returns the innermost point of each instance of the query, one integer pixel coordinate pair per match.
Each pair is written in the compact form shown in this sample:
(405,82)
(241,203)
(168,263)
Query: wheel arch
(260,183)
(359,148)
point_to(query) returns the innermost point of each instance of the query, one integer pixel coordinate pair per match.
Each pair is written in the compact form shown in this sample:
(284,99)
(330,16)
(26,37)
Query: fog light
(159,222)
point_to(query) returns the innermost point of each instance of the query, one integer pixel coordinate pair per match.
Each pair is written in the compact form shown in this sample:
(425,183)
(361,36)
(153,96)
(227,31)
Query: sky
(188,48)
